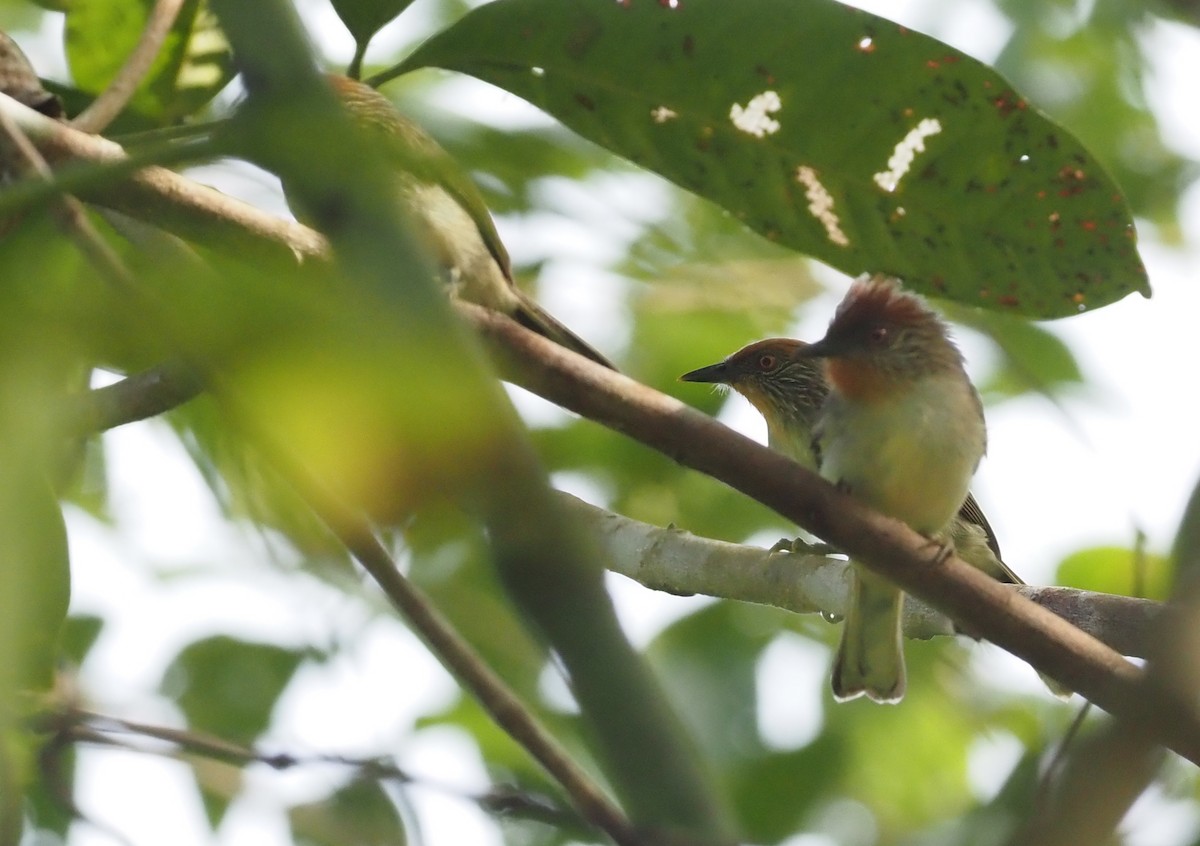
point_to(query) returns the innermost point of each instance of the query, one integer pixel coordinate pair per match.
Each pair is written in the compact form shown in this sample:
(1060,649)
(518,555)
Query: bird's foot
(944,548)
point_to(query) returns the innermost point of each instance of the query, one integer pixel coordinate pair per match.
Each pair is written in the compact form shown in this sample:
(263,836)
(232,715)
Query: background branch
(154,194)
(75,726)
(678,561)
(137,397)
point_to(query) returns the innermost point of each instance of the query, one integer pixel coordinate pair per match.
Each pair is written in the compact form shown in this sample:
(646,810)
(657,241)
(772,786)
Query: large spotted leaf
(836,132)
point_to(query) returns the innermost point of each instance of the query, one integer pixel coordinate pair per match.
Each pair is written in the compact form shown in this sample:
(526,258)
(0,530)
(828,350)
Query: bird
(876,406)
(788,389)
(449,214)
(903,431)
(20,81)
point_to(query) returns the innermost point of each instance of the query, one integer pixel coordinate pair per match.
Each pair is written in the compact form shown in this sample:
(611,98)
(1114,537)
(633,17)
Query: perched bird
(903,431)
(786,387)
(450,216)
(866,409)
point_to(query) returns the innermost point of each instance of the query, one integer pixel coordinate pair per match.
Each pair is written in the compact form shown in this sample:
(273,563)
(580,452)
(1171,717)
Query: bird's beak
(715,373)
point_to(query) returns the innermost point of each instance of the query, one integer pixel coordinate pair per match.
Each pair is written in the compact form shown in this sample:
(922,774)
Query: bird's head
(776,376)
(376,114)
(883,339)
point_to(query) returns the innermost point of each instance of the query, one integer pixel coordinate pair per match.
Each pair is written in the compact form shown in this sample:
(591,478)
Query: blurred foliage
(194,64)
(1111,569)
(697,285)
(359,813)
(228,687)
(1032,358)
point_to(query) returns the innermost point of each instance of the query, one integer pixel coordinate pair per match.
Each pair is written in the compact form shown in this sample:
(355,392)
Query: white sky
(1125,454)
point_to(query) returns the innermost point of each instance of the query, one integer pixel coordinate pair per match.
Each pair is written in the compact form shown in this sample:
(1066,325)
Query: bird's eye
(879,335)
(766,362)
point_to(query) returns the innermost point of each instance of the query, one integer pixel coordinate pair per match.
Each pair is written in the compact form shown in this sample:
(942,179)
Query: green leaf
(774,793)
(800,127)
(1032,357)
(1114,569)
(364,18)
(79,636)
(34,592)
(195,61)
(229,687)
(1096,79)
(36,579)
(707,662)
(359,814)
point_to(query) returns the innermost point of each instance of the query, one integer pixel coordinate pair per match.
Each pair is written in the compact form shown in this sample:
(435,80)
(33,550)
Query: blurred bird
(450,216)
(20,81)
(869,417)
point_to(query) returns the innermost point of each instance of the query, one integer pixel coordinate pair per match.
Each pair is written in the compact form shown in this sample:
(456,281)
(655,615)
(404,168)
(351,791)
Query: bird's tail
(971,544)
(870,658)
(536,319)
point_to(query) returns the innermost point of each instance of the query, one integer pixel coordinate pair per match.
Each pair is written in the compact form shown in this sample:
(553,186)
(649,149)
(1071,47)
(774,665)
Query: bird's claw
(945,548)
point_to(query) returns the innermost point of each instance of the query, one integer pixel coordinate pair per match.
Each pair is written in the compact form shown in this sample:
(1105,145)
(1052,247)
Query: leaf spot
(820,205)
(755,117)
(902,157)
(662,114)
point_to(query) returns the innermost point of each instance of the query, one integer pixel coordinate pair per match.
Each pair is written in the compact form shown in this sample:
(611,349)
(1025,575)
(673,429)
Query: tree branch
(77,726)
(679,562)
(154,194)
(137,397)
(1052,645)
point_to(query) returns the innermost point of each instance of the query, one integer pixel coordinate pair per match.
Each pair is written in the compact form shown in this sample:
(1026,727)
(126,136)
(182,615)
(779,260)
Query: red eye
(767,362)
(879,335)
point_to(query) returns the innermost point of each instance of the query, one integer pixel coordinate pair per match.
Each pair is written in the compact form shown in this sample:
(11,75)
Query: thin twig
(80,726)
(1043,798)
(68,211)
(105,108)
(504,706)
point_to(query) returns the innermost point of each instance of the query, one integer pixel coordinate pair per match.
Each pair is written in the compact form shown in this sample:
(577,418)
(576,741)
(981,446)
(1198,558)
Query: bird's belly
(918,473)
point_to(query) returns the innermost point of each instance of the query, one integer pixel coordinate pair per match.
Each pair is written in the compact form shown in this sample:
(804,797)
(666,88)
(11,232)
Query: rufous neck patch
(857,381)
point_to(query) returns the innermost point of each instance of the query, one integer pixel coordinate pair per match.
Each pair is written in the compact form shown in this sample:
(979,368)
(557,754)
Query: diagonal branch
(504,706)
